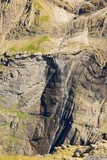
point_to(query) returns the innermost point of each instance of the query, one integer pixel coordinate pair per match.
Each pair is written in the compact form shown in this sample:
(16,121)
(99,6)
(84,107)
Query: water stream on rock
(78,10)
(64,97)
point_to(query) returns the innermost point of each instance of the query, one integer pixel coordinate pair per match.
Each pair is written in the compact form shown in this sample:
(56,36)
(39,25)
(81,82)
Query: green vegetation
(68,152)
(2,96)
(7,110)
(18,158)
(37,5)
(44,19)
(9,136)
(30,47)
(2,67)
(15,111)
(5,124)
(23,115)
(13,49)
(35,45)
(12,57)
(43,38)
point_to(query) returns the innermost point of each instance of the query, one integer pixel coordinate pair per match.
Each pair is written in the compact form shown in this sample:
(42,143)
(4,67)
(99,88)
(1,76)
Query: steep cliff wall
(53,78)
(40,94)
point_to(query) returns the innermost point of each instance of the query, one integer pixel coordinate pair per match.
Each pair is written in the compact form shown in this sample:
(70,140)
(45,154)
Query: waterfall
(48,80)
(78,10)
(64,98)
(53,138)
(64,95)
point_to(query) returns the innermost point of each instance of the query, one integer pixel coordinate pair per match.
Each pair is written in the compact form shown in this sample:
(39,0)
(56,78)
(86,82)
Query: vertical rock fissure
(59,134)
(62,104)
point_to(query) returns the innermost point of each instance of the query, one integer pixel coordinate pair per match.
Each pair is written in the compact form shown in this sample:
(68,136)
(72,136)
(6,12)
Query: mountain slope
(53,69)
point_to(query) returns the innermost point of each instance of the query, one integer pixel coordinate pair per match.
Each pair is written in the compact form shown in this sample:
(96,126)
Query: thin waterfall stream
(65,76)
(64,97)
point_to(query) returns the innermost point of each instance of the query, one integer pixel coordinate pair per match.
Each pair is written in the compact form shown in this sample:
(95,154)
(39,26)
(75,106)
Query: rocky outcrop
(59,97)
(20,95)
(45,95)
(8,16)
(81,120)
(96,24)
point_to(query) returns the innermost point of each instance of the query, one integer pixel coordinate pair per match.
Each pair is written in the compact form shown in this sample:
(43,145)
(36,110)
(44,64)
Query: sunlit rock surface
(53,75)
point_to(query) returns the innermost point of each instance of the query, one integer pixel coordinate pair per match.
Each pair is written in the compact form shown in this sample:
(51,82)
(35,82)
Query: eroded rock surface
(59,97)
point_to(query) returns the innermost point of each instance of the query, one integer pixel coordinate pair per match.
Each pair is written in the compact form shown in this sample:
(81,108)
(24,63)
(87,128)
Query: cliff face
(58,97)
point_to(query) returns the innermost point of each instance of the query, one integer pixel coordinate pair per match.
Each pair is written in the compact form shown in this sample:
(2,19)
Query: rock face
(57,98)
(84,102)
(41,94)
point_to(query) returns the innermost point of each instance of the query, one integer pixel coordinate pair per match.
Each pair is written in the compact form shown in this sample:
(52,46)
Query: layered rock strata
(58,97)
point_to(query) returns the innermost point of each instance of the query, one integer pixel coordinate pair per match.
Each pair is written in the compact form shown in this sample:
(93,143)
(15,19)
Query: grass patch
(35,45)
(12,57)
(9,136)
(18,158)
(23,115)
(30,47)
(2,96)
(44,19)
(8,110)
(13,49)
(43,38)
(5,124)
(37,5)
(2,67)
(14,111)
